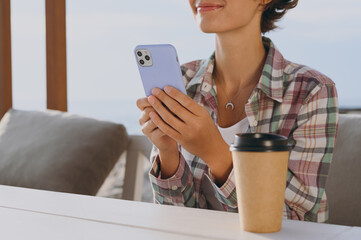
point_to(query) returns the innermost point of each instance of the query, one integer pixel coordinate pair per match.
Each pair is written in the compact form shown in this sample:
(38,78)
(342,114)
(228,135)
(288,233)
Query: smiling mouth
(203,8)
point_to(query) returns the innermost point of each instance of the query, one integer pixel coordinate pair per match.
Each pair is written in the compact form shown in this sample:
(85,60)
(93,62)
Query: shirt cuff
(172,185)
(226,193)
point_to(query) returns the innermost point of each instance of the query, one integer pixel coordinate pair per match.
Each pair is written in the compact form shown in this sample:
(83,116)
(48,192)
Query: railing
(55,56)
(350,110)
(5,58)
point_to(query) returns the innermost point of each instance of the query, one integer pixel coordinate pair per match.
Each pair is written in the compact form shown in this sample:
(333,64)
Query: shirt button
(255,123)
(174,188)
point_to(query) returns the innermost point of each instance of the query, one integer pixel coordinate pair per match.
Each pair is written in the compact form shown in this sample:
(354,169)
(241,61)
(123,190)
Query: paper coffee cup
(260,165)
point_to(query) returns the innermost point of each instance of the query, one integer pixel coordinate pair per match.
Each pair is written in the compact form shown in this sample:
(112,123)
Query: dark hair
(274,11)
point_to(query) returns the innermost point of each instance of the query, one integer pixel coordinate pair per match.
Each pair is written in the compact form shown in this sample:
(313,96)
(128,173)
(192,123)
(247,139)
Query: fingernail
(167,89)
(151,99)
(155,91)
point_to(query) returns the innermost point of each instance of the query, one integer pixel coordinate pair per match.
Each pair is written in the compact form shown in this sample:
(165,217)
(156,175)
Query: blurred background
(103,79)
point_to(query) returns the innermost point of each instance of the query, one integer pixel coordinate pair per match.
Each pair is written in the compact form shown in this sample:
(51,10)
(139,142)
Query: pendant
(230,104)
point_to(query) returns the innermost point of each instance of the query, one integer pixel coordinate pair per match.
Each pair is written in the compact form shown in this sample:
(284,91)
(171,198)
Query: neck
(239,58)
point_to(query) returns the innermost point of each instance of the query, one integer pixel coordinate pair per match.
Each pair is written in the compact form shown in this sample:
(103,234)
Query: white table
(35,214)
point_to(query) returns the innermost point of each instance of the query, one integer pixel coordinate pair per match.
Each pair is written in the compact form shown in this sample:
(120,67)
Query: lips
(207,7)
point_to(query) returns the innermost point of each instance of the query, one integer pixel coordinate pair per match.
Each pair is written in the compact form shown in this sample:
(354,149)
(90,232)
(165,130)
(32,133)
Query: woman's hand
(168,147)
(190,125)
(155,135)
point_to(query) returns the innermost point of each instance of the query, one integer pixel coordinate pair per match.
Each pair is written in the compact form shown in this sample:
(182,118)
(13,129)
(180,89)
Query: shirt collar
(270,82)
(204,76)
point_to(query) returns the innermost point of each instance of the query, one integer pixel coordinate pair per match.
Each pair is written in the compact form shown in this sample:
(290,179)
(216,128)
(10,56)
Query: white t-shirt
(229,132)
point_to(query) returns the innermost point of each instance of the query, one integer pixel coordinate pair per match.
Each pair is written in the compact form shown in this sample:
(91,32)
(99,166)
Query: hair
(274,11)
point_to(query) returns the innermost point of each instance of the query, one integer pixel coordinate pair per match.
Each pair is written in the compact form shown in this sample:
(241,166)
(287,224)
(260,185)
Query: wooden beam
(5,58)
(56,55)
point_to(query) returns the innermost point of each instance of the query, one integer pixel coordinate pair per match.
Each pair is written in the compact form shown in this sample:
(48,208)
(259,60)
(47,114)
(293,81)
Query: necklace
(229,103)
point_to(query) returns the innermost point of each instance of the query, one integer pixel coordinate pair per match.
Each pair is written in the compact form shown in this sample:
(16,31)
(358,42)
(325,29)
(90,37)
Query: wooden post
(56,55)
(5,58)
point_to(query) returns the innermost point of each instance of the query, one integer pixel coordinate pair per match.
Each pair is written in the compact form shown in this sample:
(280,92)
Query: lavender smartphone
(159,67)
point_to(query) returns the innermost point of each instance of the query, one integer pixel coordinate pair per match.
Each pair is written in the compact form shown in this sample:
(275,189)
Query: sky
(101,36)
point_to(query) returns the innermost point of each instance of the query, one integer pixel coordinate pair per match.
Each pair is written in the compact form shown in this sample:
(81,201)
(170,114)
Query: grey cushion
(343,186)
(58,151)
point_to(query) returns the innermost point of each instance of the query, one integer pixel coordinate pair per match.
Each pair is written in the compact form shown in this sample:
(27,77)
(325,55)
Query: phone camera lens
(141,62)
(139,53)
(147,57)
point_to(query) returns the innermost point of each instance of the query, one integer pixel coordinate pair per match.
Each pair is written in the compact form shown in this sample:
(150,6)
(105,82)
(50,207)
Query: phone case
(165,70)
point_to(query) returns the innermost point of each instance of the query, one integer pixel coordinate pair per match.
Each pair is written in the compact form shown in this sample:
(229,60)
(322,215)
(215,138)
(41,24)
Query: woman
(245,86)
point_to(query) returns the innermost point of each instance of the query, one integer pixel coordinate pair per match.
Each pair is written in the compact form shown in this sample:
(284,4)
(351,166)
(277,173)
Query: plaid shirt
(290,99)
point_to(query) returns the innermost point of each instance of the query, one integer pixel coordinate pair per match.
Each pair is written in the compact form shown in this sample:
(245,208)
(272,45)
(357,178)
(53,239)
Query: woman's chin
(210,28)
(207,30)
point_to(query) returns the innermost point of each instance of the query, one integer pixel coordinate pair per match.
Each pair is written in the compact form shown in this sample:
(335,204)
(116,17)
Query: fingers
(151,130)
(174,106)
(144,116)
(165,114)
(148,127)
(143,103)
(157,134)
(183,99)
(164,127)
